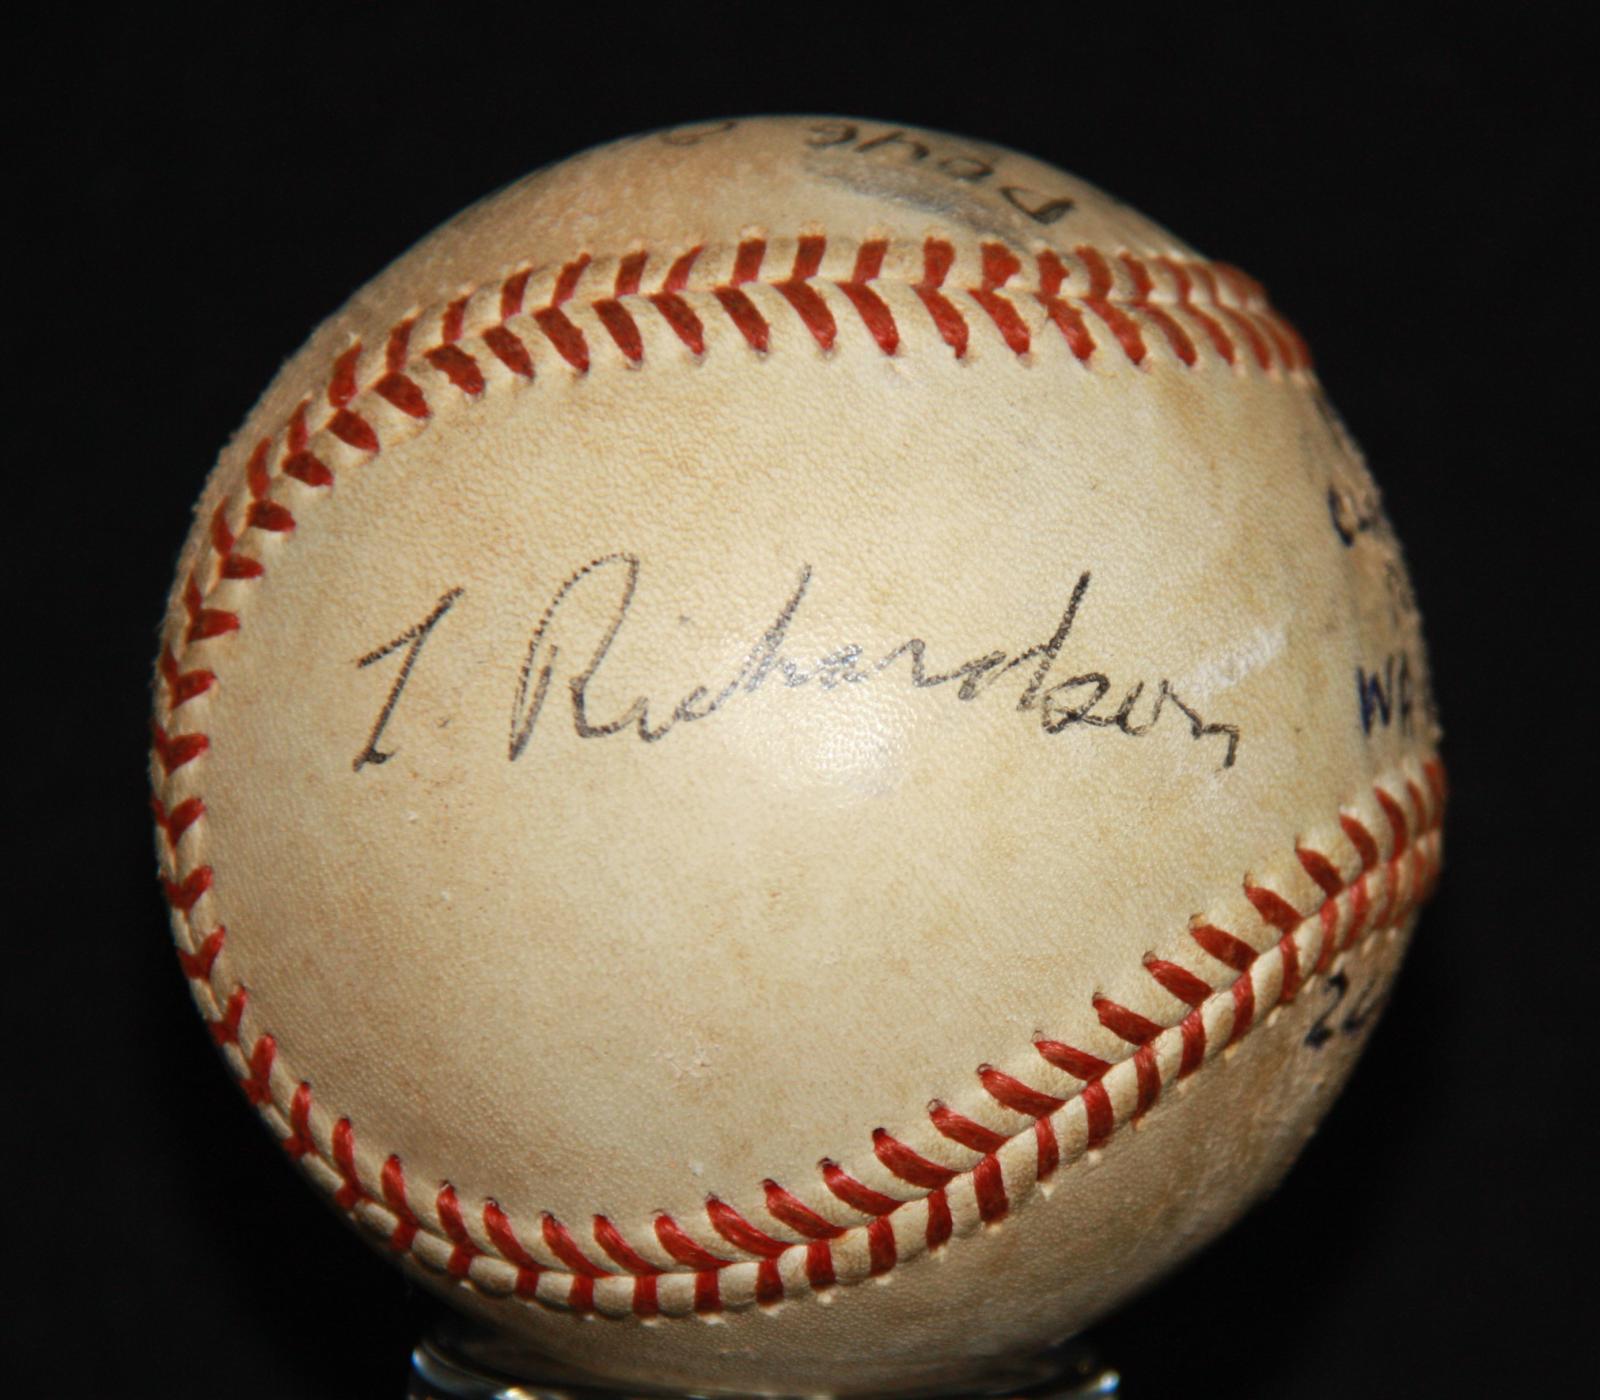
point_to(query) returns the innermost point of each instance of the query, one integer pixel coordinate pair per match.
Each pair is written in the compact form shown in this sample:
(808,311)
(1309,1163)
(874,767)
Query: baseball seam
(851,1224)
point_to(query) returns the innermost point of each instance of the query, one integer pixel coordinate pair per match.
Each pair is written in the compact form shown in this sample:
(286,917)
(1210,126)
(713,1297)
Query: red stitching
(742,312)
(805,299)
(230,565)
(300,1142)
(354,430)
(174,823)
(351,1192)
(940,1222)
(1179,981)
(1047,1150)
(908,1165)
(747,261)
(557,326)
(257,1080)
(504,1239)
(225,1029)
(448,1209)
(611,1240)
(184,894)
(959,1128)
(1000,265)
(853,1193)
(1240,956)
(1017,1096)
(937,257)
(1220,340)
(1129,1025)
(342,383)
(303,464)
(1289,954)
(1078,1063)
(507,347)
(1138,1031)
(455,318)
(1063,315)
(558,1240)
(677,277)
(708,1288)
(684,323)
(1253,337)
(989,1186)
(566,337)
(1346,913)
(398,386)
(457,366)
(1320,869)
(197,965)
(1291,349)
(873,310)
(882,1252)
(630,273)
(739,1232)
(567,283)
(392,1182)
(1098,300)
(204,622)
(1177,337)
(621,327)
(799,1217)
(1224,946)
(1273,908)
(1192,1030)
(677,1243)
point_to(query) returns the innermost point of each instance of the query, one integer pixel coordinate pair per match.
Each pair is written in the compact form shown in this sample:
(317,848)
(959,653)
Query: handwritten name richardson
(1081,699)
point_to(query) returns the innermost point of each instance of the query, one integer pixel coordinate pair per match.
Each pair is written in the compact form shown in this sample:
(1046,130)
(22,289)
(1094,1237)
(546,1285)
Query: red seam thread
(787,1208)
(455,1228)
(621,327)
(806,300)
(611,1240)
(558,1240)
(392,1182)
(299,1142)
(1015,1095)
(873,310)
(1221,342)
(630,273)
(1244,324)
(504,1239)
(1098,300)
(677,1243)
(1178,338)
(908,1165)
(739,1232)
(854,1194)
(1000,265)
(937,256)
(1063,315)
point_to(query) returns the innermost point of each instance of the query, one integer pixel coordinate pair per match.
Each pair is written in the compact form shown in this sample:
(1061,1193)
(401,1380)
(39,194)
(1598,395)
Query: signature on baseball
(1080,699)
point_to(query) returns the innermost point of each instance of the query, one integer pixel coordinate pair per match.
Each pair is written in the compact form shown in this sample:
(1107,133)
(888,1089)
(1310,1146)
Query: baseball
(792,757)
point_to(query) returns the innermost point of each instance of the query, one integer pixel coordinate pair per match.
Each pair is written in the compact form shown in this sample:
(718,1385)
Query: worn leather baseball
(793,756)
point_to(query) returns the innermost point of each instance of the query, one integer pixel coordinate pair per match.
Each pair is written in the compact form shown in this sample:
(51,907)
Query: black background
(198,190)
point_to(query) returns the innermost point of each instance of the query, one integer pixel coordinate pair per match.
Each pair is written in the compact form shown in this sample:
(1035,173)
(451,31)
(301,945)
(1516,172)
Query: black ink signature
(1367,1005)
(1059,705)
(411,639)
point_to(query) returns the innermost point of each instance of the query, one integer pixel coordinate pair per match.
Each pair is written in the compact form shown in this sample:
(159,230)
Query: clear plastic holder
(455,1361)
